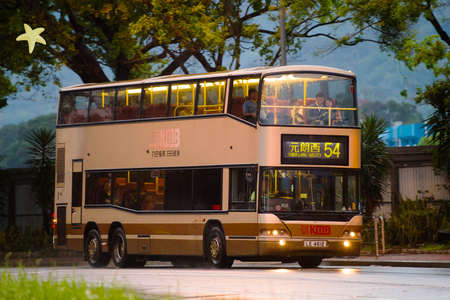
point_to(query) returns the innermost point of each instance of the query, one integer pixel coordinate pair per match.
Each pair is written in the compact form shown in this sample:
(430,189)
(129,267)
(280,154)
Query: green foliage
(17,239)
(31,286)
(438,123)
(12,140)
(41,150)
(393,25)
(3,188)
(392,111)
(374,162)
(416,222)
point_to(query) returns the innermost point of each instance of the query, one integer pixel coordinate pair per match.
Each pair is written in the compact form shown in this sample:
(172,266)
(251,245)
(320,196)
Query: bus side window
(242,191)
(102,105)
(74,107)
(155,102)
(182,97)
(211,97)
(240,94)
(128,103)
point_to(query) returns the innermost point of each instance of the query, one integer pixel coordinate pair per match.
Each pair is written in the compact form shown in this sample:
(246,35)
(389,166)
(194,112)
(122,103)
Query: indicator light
(347,244)
(282,242)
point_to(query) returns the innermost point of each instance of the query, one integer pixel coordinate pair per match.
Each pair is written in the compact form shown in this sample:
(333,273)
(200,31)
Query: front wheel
(93,249)
(309,262)
(216,255)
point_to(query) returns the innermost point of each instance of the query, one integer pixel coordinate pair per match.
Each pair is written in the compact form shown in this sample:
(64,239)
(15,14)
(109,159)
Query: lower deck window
(242,189)
(199,189)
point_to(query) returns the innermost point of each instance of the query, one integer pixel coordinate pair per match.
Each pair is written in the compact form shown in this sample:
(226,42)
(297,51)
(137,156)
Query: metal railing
(378,222)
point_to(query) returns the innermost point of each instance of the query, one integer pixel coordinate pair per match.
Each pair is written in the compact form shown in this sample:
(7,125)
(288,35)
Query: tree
(42,161)
(374,161)
(3,188)
(392,24)
(140,38)
(438,123)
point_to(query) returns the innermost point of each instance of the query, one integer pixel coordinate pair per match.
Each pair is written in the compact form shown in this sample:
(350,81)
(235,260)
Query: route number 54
(329,151)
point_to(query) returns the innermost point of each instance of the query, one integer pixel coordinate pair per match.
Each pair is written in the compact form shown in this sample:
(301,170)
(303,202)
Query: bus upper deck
(287,97)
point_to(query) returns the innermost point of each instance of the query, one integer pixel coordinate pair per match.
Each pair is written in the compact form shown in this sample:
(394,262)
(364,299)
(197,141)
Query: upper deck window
(155,101)
(128,103)
(308,99)
(102,105)
(243,89)
(73,107)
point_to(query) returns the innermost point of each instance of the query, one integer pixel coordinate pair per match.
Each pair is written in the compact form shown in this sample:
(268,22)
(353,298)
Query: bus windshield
(301,99)
(309,190)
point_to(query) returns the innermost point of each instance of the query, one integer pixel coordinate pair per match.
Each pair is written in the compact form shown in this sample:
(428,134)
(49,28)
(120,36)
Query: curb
(386,263)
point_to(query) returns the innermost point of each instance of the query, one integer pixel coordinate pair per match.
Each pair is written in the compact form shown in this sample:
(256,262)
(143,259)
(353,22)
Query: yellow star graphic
(32,36)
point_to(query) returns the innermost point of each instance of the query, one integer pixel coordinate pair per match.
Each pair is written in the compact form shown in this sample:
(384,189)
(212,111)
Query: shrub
(416,222)
(17,239)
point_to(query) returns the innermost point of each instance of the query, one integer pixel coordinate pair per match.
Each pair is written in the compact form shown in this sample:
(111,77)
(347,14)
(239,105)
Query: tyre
(216,255)
(93,250)
(309,262)
(119,249)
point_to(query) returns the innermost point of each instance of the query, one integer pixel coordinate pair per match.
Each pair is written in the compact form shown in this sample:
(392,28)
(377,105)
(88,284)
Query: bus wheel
(94,255)
(309,262)
(216,255)
(119,249)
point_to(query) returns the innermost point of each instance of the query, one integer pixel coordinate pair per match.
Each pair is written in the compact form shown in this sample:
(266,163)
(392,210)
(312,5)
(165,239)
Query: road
(268,281)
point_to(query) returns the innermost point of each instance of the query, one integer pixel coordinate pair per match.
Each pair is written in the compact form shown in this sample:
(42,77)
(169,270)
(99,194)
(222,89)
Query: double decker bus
(259,164)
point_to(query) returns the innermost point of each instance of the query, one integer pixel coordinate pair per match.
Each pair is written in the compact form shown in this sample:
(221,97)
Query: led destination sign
(314,149)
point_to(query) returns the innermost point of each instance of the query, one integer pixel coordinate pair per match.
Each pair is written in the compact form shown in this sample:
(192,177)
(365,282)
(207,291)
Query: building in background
(404,135)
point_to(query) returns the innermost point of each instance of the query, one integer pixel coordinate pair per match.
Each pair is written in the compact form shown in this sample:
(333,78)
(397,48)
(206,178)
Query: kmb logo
(315,229)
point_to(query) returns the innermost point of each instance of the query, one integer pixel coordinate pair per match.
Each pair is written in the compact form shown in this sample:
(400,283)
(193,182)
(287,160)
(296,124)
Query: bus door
(77,190)
(242,228)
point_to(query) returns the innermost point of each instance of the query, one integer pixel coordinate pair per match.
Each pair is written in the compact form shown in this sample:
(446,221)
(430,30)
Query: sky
(380,77)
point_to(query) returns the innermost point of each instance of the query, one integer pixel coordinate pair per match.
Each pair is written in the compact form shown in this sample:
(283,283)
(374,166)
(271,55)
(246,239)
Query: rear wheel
(93,249)
(309,262)
(216,256)
(119,249)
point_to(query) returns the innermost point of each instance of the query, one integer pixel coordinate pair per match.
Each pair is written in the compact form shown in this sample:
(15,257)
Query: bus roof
(249,71)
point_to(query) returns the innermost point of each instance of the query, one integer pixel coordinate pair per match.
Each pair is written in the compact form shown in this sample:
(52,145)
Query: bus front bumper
(293,247)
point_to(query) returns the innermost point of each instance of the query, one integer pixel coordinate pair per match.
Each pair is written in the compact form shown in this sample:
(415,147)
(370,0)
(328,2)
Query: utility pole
(282,36)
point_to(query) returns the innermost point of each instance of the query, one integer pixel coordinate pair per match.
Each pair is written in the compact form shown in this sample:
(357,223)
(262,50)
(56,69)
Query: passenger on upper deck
(316,116)
(250,106)
(335,114)
(188,110)
(296,116)
(264,111)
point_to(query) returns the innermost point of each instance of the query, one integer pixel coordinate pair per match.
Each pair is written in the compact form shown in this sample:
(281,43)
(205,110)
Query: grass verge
(30,286)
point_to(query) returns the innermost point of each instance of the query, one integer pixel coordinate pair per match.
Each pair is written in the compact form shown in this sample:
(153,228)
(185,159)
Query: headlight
(274,232)
(352,234)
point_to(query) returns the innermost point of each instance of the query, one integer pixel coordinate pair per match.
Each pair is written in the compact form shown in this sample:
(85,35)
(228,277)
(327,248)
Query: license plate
(315,244)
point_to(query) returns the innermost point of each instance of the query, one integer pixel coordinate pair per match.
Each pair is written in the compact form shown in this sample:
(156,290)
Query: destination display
(314,150)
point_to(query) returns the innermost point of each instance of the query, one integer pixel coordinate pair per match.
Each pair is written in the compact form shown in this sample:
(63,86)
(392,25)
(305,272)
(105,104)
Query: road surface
(267,281)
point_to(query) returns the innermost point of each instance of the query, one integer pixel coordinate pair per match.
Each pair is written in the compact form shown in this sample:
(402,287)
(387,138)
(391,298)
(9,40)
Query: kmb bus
(260,164)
